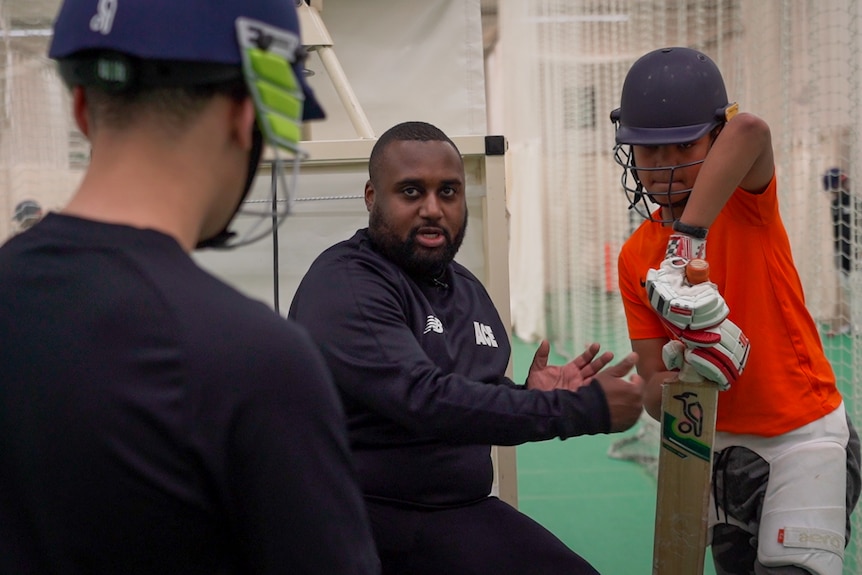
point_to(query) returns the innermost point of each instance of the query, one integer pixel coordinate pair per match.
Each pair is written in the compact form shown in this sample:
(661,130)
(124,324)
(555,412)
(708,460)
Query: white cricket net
(794,63)
(41,154)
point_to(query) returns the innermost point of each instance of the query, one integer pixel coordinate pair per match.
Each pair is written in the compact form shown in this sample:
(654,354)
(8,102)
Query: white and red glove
(696,314)
(723,362)
(680,304)
(686,247)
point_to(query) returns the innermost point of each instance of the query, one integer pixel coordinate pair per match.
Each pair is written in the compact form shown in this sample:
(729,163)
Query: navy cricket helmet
(165,43)
(670,96)
(121,45)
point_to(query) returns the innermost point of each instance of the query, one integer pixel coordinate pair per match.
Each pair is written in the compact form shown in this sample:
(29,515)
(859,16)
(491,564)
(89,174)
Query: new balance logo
(103,21)
(484,335)
(433,324)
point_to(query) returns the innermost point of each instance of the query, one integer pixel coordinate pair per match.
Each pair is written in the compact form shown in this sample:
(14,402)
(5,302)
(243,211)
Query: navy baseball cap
(168,42)
(834,179)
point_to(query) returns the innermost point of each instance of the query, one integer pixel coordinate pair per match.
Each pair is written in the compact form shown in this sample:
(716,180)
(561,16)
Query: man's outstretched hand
(624,396)
(572,375)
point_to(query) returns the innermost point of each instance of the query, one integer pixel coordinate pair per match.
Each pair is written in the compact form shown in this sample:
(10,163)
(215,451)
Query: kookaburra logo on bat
(693,411)
(681,435)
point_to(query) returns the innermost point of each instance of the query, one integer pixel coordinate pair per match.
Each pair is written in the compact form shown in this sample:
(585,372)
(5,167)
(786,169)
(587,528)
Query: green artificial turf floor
(601,507)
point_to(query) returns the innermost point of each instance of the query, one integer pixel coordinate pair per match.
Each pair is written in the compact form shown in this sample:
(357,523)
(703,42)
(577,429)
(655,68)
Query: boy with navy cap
(153,420)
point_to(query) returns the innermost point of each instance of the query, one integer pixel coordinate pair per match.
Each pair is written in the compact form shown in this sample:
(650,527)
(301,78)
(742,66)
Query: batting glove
(721,363)
(673,354)
(686,247)
(685,306)
(691,338)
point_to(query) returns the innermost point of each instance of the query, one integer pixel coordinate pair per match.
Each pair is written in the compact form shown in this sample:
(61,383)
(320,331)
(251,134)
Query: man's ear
(80,110)
(244,120)
(369,195)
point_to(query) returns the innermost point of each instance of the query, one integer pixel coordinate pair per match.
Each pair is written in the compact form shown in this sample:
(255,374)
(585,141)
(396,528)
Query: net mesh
(41,154)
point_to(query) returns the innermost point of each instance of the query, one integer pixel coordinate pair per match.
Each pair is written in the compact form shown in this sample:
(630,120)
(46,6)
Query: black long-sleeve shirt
(154,421)
(420,365)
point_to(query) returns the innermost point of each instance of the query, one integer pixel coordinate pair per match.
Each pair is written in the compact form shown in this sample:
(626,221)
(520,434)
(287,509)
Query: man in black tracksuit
(419,352)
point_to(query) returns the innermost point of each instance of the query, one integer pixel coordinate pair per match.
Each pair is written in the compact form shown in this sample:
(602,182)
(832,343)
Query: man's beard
(414,259)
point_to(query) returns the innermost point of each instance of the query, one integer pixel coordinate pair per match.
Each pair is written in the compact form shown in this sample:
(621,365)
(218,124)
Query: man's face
(418,205)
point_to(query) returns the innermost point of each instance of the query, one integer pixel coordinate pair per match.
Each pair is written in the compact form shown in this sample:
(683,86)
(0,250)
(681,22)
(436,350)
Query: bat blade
(684,476)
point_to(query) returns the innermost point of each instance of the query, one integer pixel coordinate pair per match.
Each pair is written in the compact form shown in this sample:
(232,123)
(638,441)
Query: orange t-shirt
(787,381)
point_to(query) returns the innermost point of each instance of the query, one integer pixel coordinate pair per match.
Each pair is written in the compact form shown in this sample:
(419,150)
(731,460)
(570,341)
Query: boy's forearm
(740,156)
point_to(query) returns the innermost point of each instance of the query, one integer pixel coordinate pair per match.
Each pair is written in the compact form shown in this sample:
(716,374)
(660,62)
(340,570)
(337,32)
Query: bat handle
(688,374)
(697,271)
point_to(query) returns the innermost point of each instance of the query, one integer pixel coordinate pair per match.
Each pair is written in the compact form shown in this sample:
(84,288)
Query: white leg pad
(803,509)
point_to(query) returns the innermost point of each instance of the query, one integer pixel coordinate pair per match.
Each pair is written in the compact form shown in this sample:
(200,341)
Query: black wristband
(693,231)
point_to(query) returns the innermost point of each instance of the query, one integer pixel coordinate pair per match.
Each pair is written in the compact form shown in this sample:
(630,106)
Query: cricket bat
(688,410)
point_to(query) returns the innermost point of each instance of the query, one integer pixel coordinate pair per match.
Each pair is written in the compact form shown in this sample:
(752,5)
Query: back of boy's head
(671,96)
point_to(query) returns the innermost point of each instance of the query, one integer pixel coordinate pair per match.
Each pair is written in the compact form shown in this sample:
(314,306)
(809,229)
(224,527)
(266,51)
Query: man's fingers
(600,362)
(624,366)
(540,359)
(638,382)
(588,364)
(624,396)
(585,358)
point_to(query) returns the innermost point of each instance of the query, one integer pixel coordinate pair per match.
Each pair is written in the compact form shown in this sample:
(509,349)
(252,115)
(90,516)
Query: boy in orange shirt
(787,456)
